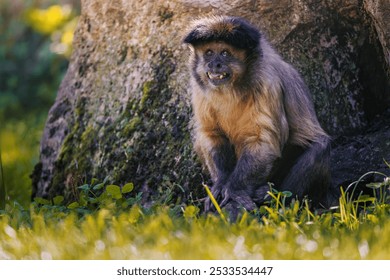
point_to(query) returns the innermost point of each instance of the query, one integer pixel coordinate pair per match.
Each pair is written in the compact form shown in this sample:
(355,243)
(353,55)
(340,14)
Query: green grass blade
(388,164)
(214,201)
(2,184)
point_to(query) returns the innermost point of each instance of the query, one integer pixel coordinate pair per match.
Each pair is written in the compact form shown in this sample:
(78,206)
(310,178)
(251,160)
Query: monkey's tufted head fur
(234,31)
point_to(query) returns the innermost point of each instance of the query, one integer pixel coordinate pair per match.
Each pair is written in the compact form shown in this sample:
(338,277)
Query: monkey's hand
(216,190)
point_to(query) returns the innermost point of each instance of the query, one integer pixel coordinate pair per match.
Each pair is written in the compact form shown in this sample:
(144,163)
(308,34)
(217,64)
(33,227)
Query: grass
(162,234)
(107,225)
(107,222)
(19,146)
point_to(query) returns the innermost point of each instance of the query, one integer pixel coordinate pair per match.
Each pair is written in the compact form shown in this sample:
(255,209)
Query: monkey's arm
(218,154)
(248,181)
(221,159)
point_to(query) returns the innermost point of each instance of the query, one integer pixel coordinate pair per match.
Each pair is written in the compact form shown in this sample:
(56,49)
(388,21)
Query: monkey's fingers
(216,192)
(241,197)
(229,194)
(209,206)
(226,198)
(233,209)
(261,195)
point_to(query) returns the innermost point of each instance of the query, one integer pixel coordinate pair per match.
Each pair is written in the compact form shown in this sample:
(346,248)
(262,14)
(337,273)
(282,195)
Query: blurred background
(35,47)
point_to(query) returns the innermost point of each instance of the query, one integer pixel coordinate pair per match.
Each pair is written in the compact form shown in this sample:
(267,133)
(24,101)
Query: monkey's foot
(239,197)
(233,209)
(261,195)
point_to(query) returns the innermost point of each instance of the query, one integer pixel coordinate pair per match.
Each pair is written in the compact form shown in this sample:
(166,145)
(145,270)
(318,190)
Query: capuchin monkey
(254,120)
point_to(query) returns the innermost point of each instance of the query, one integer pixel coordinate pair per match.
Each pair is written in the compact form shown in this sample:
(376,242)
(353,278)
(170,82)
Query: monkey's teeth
(217,76)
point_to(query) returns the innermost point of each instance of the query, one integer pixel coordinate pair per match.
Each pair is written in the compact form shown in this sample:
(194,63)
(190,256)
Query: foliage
(19,141)
(30,73)
(2,184)
(108,222)
(49,20)
(57,21)
(30,69)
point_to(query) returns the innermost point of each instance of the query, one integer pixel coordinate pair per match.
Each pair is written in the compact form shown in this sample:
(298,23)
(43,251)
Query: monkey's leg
(310,175)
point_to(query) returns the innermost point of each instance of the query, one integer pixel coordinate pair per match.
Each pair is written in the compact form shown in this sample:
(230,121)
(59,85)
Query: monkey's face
(219,64)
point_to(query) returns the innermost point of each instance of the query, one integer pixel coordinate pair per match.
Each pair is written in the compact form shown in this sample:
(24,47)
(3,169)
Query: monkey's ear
(244,35)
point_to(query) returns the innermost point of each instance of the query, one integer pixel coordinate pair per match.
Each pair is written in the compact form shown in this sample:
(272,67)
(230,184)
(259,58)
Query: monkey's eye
(209,53)
(225,53)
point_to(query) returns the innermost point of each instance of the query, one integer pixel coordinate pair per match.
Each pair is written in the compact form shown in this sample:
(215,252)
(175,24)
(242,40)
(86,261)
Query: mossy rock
(123,110)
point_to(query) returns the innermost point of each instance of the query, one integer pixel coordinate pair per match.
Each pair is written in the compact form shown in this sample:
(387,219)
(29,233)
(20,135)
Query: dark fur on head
(231,30)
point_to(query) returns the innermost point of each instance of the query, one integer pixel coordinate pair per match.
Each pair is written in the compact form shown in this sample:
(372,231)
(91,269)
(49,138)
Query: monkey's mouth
(218,78)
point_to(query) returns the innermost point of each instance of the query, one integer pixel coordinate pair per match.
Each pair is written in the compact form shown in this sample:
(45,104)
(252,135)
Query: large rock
(123,109)
(379,11)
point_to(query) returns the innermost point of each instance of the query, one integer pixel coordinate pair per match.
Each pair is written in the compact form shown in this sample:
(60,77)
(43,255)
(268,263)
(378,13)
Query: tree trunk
(123,111)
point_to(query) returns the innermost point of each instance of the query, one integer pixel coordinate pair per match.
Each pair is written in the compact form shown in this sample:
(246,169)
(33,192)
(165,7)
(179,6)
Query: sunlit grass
(118,228)
(19,140)
(107,234)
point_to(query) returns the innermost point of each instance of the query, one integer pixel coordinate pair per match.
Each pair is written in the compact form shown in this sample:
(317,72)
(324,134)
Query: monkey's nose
(214,65)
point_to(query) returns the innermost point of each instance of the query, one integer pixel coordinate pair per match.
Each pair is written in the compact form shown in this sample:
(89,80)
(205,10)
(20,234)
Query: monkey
(254,121)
